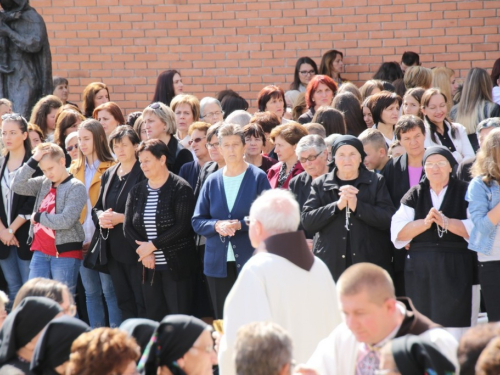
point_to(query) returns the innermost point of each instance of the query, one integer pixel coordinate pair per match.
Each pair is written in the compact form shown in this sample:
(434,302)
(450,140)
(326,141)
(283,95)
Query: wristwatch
(11,231)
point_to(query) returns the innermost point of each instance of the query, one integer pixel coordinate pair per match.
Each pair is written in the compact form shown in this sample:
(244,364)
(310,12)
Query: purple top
(414,173)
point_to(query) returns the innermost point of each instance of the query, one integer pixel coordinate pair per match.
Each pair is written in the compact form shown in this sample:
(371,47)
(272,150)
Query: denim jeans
(16,272)
(64,270)
(95,284)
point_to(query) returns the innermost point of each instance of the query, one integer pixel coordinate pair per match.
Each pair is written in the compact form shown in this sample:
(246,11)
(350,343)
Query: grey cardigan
(71,197)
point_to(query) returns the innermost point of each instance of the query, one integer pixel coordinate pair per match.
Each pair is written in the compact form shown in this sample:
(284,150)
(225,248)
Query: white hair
(239,117)
(330,139)
(208,100)
(310,141)
(277,210)
(70,137)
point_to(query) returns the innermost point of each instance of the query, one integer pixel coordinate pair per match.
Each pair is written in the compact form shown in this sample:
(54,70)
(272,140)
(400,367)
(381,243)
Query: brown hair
(473,343)
(418,76)
(256,131)
(88,97)
(488,362)
(487,162)
(406,123)
(104,351)
(350,87)
(332,119)
(35,128)
(40,287)
(268,93)
(65,120)
(99,140)
(367,88)
(381,101)
(426,98)
(291,132)
(267,120)
(42,108)
(325,66)
(190,100)
(299,106)
(416,93)
(113,109)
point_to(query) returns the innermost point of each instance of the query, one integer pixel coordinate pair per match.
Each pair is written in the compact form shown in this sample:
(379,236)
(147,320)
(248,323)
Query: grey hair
(310,141)
(165,114)
(70,137)
(330,139)
(239,117)
(228,129)
(205,101)
(277,210)
(262,348)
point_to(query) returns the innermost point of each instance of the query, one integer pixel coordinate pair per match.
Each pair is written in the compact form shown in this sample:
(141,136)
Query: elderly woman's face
(232,149)
(322,96)
(214,149)
(313,163)
(153,126)
(201,357)
(150,165)
(347,159)
(283,149)
(254,145)
(212,113)
(72,148)
(437,169)
(183,117)
(413,142)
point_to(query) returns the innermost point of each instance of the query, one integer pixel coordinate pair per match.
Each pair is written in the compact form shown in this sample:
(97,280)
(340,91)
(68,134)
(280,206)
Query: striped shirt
(150,224)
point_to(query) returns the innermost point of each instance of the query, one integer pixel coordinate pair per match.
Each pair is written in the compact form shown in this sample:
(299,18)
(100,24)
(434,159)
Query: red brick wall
(247,44)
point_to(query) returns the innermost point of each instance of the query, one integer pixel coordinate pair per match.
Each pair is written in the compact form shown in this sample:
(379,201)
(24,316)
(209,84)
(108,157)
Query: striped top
(150,225)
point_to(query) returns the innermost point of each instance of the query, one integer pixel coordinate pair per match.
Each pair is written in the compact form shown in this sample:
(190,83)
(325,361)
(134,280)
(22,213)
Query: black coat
(118,247)
(369,230)
(300,186)
(21,205)
(464,168)
(177,155)
(307,117)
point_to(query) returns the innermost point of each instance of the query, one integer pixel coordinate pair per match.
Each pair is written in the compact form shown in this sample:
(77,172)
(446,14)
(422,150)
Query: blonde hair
(54,151)
(487,162)
(164,113)
(199,125)
(190,100)
(418,76)
(441,79)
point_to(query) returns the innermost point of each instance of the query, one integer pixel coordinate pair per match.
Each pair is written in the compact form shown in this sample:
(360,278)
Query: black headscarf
(439,150)
(175,335)
(349,140)
(140,329)
(24,323)
(416,356)
(54,347)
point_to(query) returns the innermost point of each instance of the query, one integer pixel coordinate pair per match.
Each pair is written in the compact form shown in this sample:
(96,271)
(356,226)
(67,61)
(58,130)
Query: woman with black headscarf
(181,345)
(52,351)
(140,329)
(433,220)
(21,331)
(350,209)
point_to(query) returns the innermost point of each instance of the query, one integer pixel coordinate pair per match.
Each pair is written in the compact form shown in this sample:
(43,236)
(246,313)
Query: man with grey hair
(263,348)
(283,282)
(239,117)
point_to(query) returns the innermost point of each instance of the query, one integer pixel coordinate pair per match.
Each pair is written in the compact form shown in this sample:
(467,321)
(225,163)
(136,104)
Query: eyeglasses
(307,72)
(310,158)
(156,106)
(70,148)
(213,114)
(248,220)
(196,140)
(440,164)
(212,145)
(14,117)
(209,349)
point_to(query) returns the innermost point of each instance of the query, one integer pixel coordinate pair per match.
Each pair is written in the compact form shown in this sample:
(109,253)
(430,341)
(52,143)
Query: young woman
(305,70)
(67,122)
(95,94)
(36,135)
(443,78)
(44,115)
(110,116)
(94,159)
(320,91)
(15,210)
(385,111)
(168,85)
(367,113)
(332,64)
(371,87)
(348,104)
(411,102)
(187,110)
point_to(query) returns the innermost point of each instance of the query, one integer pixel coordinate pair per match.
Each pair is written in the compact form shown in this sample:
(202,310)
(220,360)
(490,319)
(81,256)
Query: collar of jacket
(291,246)
(332,182)
(103,166)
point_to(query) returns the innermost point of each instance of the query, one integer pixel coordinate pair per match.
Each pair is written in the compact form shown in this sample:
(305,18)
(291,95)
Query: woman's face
(212,113)
(183,117)
(85,142)
(150,165)
(124,150)
(337,64)
(107,121)
(436,110)
(410,106)
(347,159)
(276,105)
(72,148)
(367,116)
(232,149)
(413,142)
(284,150)
(214,149)
(390,114)
(322,96)
(198,143)
(101,97)
(315,167)
(200,359)
(153,126)
(306,72)
(453,85)
(13,137)
(62,92)
(254,145)
(72,128)
(51,119)
(178,85)
(437,169)
(35,139)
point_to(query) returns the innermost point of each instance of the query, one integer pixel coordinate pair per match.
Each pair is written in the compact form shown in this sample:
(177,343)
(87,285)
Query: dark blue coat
(212,207)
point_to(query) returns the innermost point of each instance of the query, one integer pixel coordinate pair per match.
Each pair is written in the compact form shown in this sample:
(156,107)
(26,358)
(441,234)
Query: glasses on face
(70,148)
(248,220)
(307,72)
(212,145)
(310,158)
(439,164)
(209,349)
(213,114)
(196,140)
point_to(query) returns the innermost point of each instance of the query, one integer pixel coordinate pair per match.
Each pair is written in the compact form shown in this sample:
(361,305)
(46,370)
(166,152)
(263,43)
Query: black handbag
(96,258)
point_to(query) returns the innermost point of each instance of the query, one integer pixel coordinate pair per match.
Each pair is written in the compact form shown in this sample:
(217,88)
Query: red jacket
(274,172)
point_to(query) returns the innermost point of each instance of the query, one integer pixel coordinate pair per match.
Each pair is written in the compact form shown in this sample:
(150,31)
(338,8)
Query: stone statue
(25,60)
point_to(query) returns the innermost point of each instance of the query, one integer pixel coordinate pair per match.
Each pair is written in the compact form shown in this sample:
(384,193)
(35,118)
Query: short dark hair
(389,71)
(268,93)
(410,58)
(255,130)
(232,103)
(332,119)
(407,123)
(56,81)
(132,117)
(267,120)
(156,147)
(380,101)
(122,131)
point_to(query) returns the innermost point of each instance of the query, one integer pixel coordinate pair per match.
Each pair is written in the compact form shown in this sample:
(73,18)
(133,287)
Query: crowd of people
(344,230)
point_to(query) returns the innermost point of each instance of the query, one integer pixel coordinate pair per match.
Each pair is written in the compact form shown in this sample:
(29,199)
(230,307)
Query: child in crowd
(396,150)
(375,148)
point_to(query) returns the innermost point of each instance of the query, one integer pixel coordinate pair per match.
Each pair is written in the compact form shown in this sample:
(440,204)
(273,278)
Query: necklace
(347,217)
(444,229)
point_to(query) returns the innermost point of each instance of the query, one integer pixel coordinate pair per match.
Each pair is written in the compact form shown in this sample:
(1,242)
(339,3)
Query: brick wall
(247,44)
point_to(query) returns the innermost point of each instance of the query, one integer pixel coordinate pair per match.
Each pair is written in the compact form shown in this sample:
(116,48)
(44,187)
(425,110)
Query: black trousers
(220,288)
(489,278)
(127,283)
(164,296)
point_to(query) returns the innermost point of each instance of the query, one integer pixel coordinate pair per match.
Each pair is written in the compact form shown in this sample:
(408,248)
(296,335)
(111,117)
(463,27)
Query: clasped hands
(108,219)
(145,252)
(348,196)
(7,238)
(434,216)
(227,227)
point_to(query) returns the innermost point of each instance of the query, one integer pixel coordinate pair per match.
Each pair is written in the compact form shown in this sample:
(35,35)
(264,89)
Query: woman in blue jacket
(224,201)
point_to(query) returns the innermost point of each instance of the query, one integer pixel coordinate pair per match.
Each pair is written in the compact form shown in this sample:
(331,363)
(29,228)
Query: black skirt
(439,279)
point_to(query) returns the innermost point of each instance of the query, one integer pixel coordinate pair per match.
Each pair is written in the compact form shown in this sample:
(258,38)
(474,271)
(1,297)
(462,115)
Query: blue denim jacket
(482,198)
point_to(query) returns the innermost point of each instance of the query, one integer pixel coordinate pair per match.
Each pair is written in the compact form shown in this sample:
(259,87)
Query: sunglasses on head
(70,148)
(14,117)
(196,140)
